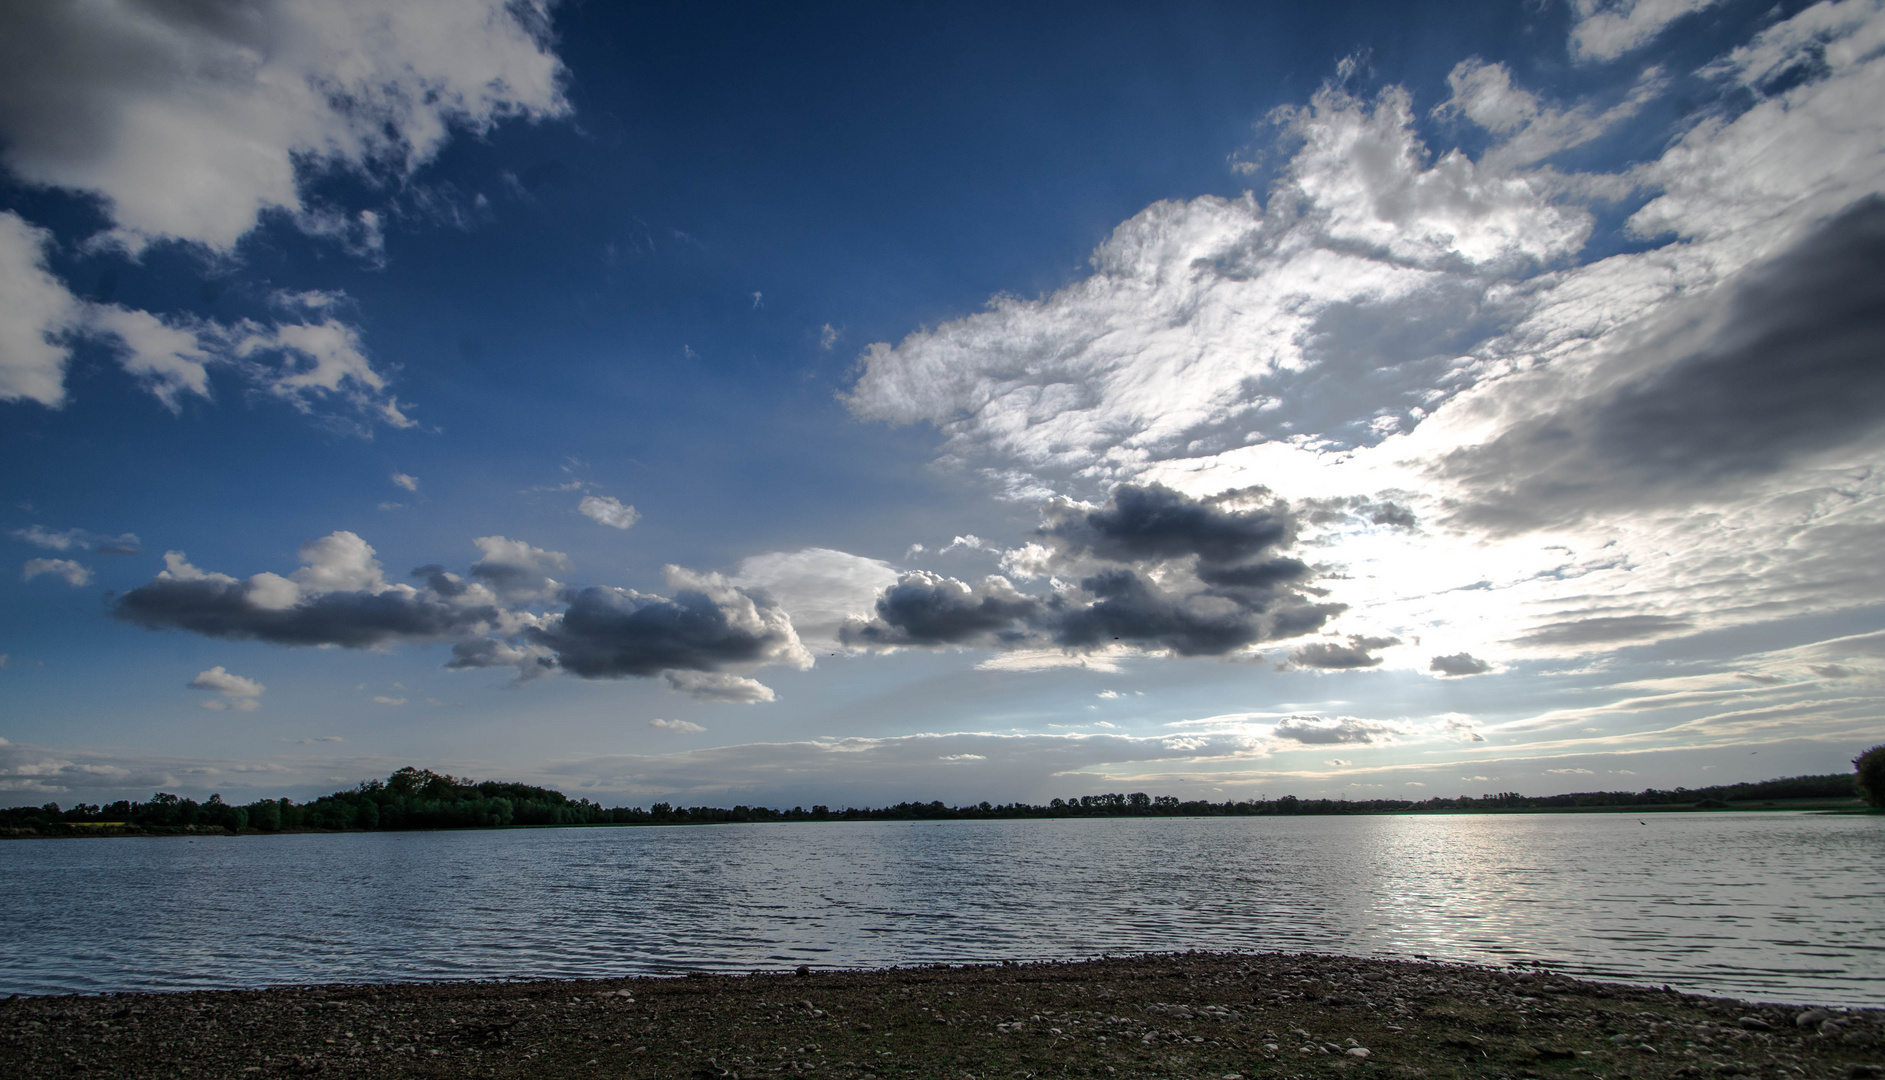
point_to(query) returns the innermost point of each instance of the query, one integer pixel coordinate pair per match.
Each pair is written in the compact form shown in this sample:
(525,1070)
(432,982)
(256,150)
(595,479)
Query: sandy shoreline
(1187,1015)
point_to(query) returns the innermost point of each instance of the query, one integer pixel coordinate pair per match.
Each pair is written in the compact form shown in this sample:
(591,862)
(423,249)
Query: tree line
(422,799)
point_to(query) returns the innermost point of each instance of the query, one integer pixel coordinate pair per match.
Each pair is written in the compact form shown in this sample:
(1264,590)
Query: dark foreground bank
(1192,1015)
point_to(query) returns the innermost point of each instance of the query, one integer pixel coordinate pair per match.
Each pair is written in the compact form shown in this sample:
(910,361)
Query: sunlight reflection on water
(1770,906)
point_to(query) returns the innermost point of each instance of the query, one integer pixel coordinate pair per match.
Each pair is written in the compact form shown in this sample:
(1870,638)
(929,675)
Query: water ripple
(1773,906)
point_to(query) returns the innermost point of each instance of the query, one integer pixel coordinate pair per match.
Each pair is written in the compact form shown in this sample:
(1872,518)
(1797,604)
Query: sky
(844,404)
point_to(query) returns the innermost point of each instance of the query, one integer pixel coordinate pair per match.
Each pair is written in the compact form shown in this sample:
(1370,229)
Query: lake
(1770,906)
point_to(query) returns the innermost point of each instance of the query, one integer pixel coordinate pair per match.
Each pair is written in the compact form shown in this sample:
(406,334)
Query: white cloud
(339,561)
(517,570)
(169,359)
(1204,316)
(74,574)
(410,483)
(1606,29)
(685,727)
(227,683)
(47,538)
(1570,772)
(819,587)
(191,123)
(719,686)
(1391,310)
(609,511)
(237,692)
(36,312)
(381,699)
(310,363)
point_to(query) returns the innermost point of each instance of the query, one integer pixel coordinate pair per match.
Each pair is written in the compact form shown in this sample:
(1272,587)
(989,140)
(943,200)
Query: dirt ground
(1174,1016)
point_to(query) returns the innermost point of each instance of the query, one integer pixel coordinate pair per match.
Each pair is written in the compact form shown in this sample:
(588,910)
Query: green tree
(1870,778)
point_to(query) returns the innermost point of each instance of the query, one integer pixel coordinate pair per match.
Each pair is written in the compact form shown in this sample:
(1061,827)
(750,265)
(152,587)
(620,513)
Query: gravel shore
(1176,1016)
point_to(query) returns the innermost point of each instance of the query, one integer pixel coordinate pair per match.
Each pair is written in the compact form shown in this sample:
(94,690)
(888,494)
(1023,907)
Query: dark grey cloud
(610,633)
(516,570)
(924,609)
(441,580)
(1607,629)
(1128,609)
(1357,652)
(1833,671)
(1459,663)
(1198,577)
(1114,606)
(1335,731)
(1352,508)
(221,608)
(1155,523)
(600,633)
(1786,361)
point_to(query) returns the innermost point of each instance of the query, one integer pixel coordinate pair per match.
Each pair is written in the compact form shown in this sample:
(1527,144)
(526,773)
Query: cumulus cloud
(1460,663)
(819,587)
(516,570)
(1598,452)
(237,692)
(410,483)
(309,364)
(719,686)
(1151,569)
(609,511)
(685,727)
(338,597)
(1333,731)
(192,122)
(1356,652)
(608,632)
(1218,320)
(36,313)
(1606,29)
(925,609)
(1777,365)
(71,572)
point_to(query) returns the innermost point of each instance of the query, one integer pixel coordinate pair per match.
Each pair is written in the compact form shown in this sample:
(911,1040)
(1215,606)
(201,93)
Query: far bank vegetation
(422,799)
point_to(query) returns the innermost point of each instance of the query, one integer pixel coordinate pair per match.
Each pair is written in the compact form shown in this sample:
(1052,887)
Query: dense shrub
(1870,777)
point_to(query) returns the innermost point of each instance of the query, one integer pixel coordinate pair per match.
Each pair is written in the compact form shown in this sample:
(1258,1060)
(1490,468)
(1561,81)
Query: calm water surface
(1776,906)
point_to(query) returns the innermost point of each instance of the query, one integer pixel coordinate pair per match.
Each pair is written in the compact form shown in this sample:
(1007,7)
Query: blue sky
(737,404)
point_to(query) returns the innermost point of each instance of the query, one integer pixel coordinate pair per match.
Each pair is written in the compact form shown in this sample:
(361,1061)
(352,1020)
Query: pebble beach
(1193,1015)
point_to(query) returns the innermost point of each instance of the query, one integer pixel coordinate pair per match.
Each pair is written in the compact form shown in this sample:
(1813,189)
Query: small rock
(1358,1051)
(1646,1048)
(1755,1023)
(1812,1018)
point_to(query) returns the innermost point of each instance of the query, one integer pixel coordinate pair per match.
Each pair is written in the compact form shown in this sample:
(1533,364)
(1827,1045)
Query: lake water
(1778,906)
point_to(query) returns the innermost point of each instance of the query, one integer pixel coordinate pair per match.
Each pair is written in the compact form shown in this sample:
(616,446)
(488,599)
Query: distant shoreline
(67,830)
(413,798)
(1192,1014)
